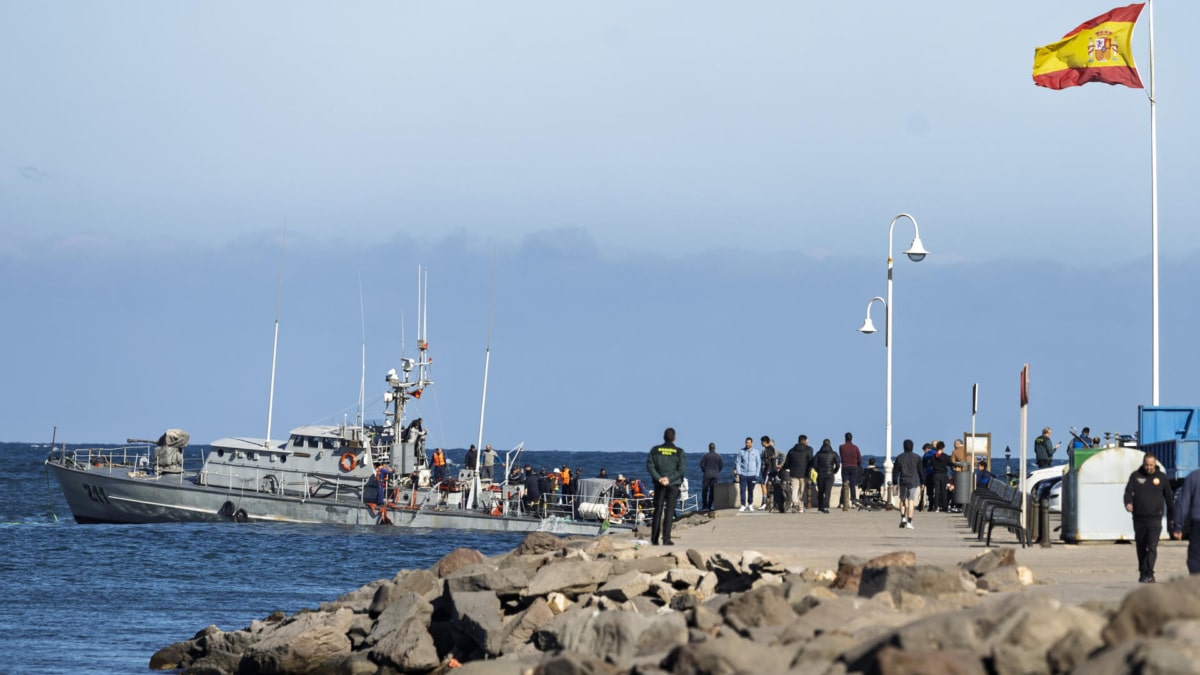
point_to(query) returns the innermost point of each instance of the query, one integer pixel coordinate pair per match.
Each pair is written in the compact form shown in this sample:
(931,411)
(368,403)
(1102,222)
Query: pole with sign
(1024,437)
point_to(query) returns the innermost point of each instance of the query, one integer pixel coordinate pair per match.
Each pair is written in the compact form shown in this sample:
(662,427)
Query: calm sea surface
(104,598)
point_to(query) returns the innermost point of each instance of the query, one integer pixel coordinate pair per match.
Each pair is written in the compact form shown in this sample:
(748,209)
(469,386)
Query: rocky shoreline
(614,605)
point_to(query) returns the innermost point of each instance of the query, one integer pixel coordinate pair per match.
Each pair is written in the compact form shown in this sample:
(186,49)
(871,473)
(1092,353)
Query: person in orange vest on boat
(637,489)
(379,481)
(439,465)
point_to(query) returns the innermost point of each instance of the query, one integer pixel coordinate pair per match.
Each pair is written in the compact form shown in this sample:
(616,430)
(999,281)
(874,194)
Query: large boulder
(619,637)
(401,638)
(763,606)
(506,582)
(302,645)
(456,560)
(571,577)
(538,542)
(477,617)
(1146,610)
(625,587)
(925,580)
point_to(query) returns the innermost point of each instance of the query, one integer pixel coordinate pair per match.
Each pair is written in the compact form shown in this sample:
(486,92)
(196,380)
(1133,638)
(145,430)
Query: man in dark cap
(666,466)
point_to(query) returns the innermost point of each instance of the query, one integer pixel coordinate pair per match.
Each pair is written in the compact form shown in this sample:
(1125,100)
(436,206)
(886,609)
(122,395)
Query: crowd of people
(802,478)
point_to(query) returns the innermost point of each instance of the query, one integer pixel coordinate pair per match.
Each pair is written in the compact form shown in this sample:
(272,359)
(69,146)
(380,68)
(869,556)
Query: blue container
(1161,423)
(1173,435)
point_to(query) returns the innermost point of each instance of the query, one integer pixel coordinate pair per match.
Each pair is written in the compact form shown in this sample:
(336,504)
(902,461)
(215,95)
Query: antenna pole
(275,342)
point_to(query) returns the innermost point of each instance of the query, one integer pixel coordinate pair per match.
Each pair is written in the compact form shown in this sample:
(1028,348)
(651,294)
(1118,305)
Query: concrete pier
(1074,573)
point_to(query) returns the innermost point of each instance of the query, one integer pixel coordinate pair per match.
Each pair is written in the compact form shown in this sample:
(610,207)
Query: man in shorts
(906,474)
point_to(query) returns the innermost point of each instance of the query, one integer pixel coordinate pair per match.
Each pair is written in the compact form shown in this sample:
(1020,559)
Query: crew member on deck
(439,465)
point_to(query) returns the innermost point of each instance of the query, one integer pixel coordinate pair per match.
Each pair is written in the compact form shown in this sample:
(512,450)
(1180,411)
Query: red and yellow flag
(1098,50)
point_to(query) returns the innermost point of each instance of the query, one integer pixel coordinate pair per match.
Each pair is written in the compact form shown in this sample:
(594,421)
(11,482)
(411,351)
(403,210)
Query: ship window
(250,456)
(283,458)
(312,442)
(220,452)
(327,443)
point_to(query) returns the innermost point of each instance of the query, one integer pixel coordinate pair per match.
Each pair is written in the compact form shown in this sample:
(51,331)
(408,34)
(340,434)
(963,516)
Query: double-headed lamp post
(916,253)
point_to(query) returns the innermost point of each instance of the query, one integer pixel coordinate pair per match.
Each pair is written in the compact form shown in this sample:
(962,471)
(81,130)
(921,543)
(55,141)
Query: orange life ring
(617,508)
(349,461)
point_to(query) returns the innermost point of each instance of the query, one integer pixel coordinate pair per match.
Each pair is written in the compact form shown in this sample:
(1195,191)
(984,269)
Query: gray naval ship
(333,474)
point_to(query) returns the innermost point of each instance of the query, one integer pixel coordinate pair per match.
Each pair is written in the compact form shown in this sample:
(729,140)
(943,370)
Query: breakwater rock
(607,605)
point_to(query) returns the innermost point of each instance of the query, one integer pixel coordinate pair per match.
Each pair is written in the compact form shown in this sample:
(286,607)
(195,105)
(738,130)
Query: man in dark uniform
(1145,494)
(1188,515)
(666,466)
(711,465)
(533,492)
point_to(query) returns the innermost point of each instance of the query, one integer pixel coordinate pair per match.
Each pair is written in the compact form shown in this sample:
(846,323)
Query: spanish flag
(1097,51)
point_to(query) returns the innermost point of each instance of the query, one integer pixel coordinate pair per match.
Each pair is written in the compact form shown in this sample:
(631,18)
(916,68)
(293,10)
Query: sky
(647,214)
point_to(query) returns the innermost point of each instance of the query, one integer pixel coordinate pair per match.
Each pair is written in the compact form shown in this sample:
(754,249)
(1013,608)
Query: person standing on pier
(666,466)
(827,464)
(746,466)
(769,469)
(799,462)
(851,466)
(1146,493)
(711,465)
(1187,515)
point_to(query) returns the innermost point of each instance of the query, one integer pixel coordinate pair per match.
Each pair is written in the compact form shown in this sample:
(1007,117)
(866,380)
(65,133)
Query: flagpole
(1153,219)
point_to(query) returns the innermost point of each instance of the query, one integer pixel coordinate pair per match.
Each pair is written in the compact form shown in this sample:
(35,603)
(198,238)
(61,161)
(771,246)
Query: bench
(998,505)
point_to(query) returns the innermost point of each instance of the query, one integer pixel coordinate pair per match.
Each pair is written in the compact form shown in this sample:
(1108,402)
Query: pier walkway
(1074,573)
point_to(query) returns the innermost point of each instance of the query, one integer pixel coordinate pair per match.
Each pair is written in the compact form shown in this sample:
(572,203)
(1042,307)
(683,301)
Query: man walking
(798,462)
(906,473)
(1145,494)
(666,466)
(1187,513)
(1043,449)
(851,466)
(710,465)
(747,465)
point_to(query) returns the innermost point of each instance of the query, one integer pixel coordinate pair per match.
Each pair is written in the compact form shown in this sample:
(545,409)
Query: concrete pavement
(1074,573)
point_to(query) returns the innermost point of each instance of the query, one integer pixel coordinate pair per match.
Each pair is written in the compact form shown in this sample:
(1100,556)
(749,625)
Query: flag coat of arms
(1098,50)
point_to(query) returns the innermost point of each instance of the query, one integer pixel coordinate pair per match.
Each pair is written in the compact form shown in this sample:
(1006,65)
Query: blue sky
(685,205)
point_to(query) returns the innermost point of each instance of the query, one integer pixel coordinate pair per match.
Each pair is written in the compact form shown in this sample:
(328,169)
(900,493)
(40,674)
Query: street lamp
(916,253)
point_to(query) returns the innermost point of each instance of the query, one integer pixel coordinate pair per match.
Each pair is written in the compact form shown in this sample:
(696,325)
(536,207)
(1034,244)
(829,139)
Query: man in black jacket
(710,465)
(798,462)
(1147,491)
(827,464)
(906,474)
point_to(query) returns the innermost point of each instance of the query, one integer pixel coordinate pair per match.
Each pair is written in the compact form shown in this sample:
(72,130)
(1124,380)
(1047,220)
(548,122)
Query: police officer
(666,466)
(1145,494)
(1188,514)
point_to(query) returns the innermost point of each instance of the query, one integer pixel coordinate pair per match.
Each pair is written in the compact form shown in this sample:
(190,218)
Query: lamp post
(916,253)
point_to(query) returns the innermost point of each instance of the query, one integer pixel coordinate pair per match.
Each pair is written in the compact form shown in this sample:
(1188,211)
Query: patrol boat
(321,474)
(346,474)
